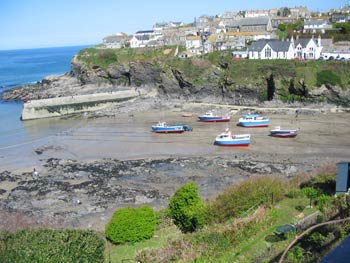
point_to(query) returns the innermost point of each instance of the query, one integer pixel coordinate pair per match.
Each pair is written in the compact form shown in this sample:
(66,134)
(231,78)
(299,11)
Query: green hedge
(51,246)
(131,225)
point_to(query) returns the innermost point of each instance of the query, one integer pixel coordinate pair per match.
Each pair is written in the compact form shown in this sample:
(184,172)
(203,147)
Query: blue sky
(48,23)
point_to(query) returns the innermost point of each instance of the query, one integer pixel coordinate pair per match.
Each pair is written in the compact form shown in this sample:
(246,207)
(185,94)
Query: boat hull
(176,129)
(225,139)
(254,124)
(213,119)
(284,134)
(232,144)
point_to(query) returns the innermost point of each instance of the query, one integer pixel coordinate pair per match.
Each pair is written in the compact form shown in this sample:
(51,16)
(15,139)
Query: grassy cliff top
(243,72)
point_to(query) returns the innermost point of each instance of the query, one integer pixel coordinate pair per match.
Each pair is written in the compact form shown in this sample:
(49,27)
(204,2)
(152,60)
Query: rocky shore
(80,194)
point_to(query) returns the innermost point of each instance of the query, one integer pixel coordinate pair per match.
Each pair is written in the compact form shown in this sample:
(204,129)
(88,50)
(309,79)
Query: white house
(142,38)
(316,26)
(307,48)
(271,49)
(194,44)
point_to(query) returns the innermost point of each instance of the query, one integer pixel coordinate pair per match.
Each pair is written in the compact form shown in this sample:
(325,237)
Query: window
(267,52)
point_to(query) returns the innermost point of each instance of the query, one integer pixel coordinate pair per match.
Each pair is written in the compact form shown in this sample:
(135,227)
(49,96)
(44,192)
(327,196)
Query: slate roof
(145,32)
(276,45)
(249,21)
(313,22)
(302,41)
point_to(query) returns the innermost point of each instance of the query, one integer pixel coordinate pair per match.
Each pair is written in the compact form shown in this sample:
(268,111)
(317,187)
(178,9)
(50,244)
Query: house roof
(249,21)
(145,32)
(276,45)
(302,41)
(313,22)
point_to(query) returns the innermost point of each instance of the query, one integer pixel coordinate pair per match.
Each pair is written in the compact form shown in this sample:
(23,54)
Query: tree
(187,208)
(310,193)
(282,27)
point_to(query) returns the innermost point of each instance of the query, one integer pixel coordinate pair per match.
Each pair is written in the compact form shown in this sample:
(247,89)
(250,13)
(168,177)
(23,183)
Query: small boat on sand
(253,120)
(187,115)
(209,116)
(278,132)
(228,139)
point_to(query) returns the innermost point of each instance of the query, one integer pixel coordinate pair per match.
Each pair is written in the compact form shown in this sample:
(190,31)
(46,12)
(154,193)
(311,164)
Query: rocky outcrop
(332,94)
(215,84)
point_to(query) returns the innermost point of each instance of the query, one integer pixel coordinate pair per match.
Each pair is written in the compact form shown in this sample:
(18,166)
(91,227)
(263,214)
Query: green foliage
(344,28)
(282,27)
(310,192)
(131,225)
(323,183)
(328,77)
(186,208)
(300,207)
(295,255)
(323,201)
(244,197)
(294,193)
(51,246)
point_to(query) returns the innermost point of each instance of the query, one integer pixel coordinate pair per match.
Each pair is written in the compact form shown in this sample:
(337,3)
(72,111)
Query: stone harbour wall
(56,107)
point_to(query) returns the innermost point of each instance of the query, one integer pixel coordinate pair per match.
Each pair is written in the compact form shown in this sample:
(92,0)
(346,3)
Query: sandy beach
(323,136)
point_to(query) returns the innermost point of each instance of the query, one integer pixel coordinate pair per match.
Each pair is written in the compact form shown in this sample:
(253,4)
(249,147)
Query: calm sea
(19,67)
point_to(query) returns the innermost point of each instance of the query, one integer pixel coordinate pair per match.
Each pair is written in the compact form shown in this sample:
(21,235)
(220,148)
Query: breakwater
(56,107)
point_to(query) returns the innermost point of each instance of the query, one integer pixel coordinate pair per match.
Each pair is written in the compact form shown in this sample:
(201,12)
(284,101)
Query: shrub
(51,246)
(245,197)
(131,225)
(294,193)
(327,77)
(187,208)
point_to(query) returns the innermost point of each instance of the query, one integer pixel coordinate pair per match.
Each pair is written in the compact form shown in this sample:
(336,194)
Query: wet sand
(323,138)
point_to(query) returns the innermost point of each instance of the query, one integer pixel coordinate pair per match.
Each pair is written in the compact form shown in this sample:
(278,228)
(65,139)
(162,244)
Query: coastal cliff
(213,78)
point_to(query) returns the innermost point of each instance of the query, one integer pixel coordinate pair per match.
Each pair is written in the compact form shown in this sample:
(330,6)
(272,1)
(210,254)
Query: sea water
(21,67)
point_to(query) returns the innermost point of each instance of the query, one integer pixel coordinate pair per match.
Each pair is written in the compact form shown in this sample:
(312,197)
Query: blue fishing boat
(253,120)
(228,139)
(278,132)
(209,116)
(162,127)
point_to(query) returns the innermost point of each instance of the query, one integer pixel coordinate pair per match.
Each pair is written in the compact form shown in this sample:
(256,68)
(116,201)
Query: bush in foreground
(51,246)
(187,208)
(245,197)
(131,225)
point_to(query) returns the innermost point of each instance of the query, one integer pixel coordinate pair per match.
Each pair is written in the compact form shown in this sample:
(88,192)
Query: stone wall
(55,107)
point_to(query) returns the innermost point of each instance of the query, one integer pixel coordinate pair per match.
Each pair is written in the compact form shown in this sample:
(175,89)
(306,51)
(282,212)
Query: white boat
(228,139)
(253,120)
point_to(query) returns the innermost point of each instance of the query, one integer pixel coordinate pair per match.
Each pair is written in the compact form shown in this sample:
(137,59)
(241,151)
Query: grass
(123,253)
(256,245)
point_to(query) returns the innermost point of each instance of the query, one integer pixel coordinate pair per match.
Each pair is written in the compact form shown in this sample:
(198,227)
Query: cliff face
(201,79)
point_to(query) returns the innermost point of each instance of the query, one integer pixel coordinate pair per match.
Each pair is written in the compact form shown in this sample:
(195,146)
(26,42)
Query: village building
(118,40)
(146,38)
(271,49)
(306,48)
(255,24)
(316,26)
